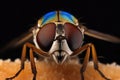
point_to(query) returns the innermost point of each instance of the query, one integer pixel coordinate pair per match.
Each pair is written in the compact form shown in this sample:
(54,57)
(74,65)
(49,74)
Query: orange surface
(52,71)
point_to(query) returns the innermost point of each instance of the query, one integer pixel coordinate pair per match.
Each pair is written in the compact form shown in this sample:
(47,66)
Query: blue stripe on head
(67,16)
(48,16)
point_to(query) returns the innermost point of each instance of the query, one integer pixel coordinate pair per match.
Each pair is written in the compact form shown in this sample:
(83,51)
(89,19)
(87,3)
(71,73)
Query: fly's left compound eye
(73,35)
(46,36)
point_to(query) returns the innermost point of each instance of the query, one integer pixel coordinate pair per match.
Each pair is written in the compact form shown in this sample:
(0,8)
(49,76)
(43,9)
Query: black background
(18,16)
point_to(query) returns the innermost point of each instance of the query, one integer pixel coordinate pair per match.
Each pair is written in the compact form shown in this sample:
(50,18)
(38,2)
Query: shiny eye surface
(73,35)
(45,36)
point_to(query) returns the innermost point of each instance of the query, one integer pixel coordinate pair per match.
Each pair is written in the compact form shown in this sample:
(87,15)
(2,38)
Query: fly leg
(86,59)
(23,58)
(96,67)
(33,67)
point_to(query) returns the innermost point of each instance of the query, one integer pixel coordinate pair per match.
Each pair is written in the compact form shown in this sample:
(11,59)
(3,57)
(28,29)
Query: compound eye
(46,36)
(74,36)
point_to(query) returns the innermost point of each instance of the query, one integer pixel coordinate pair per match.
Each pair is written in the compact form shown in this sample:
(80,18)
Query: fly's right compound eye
(45,36)
(73,35)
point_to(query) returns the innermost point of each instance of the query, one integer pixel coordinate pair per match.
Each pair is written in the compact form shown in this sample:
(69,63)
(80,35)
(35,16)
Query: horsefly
(58,35)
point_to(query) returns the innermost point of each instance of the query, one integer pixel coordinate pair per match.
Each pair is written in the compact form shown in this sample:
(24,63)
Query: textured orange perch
(51,71)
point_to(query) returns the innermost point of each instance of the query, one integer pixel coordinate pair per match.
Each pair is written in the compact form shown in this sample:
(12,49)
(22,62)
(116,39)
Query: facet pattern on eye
(46,36)
(74,36)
